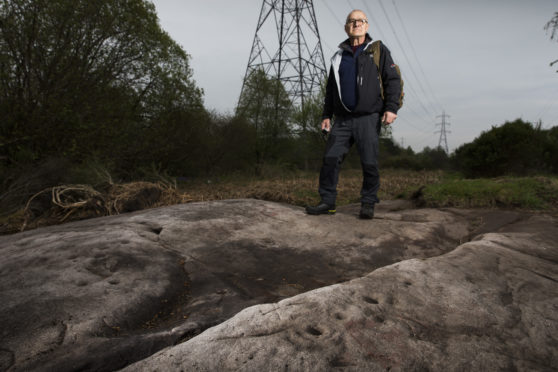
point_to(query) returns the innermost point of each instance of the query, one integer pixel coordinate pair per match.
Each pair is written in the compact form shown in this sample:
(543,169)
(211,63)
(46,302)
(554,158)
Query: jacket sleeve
(327,111)
(390,80)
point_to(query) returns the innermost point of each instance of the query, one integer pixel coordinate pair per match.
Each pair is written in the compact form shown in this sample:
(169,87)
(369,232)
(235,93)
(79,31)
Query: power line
(403,51)
(409,108)
(435,99)
(407,122)
(333,14)
(409,88)
(338,21)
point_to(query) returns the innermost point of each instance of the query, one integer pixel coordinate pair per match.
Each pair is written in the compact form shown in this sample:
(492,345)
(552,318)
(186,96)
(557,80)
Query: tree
(266,105)
(435,158)
(552,27)
(308,135)
(515,147)
(81,78)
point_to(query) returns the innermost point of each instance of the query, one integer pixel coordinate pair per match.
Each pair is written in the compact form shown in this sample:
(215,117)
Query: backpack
(375,50)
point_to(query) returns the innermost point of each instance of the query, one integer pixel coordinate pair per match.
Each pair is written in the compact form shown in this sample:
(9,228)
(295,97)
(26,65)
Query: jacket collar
(346,45)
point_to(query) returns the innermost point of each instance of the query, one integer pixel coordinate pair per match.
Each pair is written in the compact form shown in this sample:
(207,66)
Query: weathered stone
(103,293)
(489,305)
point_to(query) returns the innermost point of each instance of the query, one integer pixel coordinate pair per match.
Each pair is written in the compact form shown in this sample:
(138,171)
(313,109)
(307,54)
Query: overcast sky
(483,62)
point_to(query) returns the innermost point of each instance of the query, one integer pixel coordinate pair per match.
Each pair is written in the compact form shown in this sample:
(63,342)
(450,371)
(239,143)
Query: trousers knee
(370,168)
(331,161)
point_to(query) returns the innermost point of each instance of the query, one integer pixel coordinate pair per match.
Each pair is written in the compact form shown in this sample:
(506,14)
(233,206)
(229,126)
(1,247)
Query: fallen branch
(69,199)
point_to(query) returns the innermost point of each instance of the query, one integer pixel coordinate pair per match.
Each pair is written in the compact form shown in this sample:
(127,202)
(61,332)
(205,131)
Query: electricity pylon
(443,141)
(287,47)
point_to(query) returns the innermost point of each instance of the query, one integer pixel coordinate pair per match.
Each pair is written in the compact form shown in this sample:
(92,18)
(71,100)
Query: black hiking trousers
(364,131)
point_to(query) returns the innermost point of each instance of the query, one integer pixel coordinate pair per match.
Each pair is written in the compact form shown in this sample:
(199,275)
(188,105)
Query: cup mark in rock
(157,230)
(370,300)
(313,331)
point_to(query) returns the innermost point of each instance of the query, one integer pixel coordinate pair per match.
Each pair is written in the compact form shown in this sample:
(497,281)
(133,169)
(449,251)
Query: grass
(301,188)
(433,189)
(529,193)
(437,189)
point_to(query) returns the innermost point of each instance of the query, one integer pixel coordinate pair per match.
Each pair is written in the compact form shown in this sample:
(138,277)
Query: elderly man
(354,101)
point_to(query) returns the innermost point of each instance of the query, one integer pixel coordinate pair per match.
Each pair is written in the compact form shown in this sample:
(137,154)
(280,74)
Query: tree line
(100,83)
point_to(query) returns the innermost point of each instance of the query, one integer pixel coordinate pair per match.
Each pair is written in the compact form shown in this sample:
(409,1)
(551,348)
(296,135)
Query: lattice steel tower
(287,46)
(443,141)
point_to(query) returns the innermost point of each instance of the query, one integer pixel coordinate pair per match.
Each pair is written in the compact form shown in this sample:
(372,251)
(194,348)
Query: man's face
(356,25)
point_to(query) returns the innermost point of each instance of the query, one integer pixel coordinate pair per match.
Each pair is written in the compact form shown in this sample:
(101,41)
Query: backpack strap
(375,50)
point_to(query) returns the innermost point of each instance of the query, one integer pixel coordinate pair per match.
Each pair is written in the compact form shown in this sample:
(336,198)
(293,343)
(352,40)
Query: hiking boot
(321,208)
(366,211)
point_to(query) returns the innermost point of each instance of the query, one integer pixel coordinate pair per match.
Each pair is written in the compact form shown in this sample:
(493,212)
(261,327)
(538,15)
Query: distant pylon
(292,52)
(443,141)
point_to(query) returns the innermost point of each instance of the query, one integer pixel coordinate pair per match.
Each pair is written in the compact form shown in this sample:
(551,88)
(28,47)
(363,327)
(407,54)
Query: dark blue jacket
(368,95)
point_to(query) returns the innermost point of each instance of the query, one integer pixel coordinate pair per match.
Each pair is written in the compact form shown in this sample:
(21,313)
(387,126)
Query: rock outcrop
(255,285)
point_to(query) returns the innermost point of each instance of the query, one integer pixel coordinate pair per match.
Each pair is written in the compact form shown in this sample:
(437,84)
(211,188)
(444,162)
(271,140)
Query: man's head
(356,25)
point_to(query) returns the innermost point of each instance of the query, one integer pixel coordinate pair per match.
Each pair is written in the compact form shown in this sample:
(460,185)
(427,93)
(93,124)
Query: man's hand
(326,125)
(388,117)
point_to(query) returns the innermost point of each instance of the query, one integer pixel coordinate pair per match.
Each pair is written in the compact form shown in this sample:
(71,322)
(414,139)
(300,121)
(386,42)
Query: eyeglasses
(355,22)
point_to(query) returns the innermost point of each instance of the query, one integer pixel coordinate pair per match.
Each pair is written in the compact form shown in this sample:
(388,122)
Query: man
(354,99)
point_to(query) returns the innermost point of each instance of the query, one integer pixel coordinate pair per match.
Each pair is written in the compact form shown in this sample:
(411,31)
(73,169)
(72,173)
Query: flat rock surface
(256,285)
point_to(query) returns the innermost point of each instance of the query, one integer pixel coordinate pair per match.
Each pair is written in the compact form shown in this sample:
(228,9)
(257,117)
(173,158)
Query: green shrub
(515,148)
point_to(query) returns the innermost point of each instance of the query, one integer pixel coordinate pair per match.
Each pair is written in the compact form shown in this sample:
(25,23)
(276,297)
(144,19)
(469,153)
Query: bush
(515,148)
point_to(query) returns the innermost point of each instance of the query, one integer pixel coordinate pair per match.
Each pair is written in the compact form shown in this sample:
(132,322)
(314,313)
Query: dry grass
(66,203)
(302,189)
